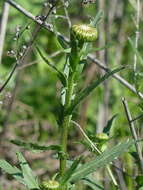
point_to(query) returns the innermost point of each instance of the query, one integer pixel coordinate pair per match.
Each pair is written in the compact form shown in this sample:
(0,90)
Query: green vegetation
(71,95)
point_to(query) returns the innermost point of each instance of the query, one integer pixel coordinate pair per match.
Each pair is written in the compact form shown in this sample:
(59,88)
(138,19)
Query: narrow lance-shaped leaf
(34,146)
(60,75)
(84,93)
(70,171)
(92,183)
(87,48)
(28,176)
(64,44)
(109,124)
(14,171)
(97,18)
(105,158)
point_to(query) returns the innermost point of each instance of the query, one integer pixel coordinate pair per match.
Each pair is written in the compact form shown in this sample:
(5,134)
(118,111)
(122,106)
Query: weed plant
(77,173)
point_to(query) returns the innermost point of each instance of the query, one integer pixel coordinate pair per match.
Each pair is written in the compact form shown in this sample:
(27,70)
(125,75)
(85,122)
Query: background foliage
(30,116)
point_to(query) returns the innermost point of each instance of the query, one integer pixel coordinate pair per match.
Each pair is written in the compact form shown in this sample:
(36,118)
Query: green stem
(66,122)
(74,59)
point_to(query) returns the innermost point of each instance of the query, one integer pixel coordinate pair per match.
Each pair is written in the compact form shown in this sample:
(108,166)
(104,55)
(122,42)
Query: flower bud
(102,139)
(50,185)
(84,32)
(102,136)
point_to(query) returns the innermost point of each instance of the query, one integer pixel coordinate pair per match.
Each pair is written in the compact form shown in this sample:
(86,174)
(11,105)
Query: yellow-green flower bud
(50,185)
(102,136)
(84,32)
(102,139)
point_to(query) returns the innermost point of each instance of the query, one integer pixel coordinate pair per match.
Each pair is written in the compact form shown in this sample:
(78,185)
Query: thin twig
(133,131)
(29,15)
(3,25)
(136,118)
(66,13)
(61,16)
(36,61)
(116,76)
(28,65)
(87,138)
(9,77)
(34,18)
(137,32)
(120,174)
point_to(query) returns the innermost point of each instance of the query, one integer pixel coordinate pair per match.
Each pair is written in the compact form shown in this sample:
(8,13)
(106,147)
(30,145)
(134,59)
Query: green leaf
(34,146)
(84,93)
(14,171)
(98,17)
(109,124)
(62,42)
(28,176)
(88,48)
(60,75)
(92,183)
(99,162)
(70,171)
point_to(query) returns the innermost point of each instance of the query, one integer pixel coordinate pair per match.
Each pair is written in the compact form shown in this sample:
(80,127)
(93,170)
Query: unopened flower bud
(50,185)
(102,136)
(84,32)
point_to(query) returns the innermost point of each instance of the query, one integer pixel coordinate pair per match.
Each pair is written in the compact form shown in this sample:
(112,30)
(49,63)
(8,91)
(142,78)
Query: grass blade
(70,171)
(97,18)
(92,183)
(105,158)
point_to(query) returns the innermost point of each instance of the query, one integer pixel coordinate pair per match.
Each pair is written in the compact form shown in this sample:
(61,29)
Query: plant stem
(3,25)
(133,132)
(137,34)
(111,175)
(66,122)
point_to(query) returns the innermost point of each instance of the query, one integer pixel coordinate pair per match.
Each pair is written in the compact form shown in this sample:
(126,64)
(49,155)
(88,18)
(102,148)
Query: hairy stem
(66,122)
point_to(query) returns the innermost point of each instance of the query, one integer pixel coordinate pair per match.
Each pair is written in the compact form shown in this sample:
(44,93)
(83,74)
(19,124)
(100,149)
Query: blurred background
(29,103)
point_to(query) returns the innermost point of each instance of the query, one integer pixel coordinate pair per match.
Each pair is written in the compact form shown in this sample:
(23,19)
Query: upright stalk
(79,35)
(137,33)
(133,132)
(3,26)
(73,62)
(66,122)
